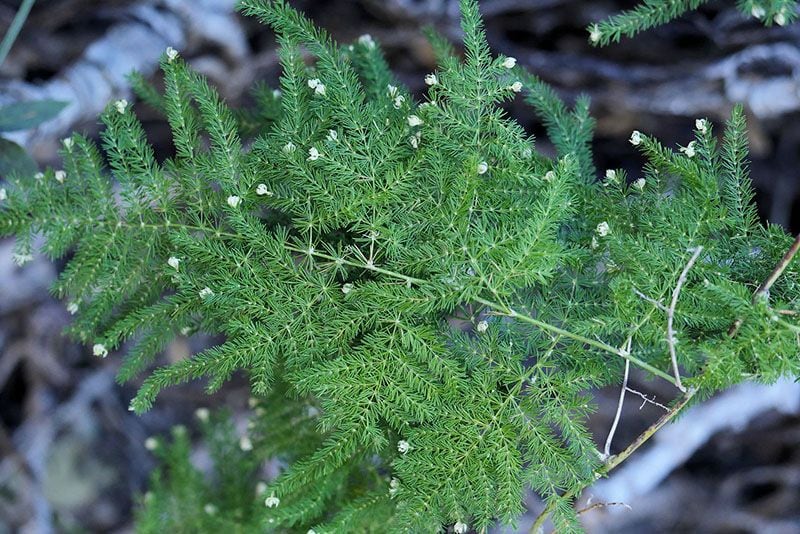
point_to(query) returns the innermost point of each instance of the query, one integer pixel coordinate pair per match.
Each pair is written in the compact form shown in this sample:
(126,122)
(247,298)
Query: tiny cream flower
(210,509)
(233,201)
(172,54)
(185,330)
(413,120)
(549,176)
(392,90)
(780,18)
(595,34)
(366,40)
(100,350)
(398,101)
(611,176)
(67,141)
(414,139)
(394,486)
(252,402)
(288,148)
(603,229)
(245,443)
(483,167)
(758,12)
(72,308)
(527,152)
(701,125)
(317,86)
(636,138)
(347,288)
(320,89)
(639,184)
(332,135)
(39,176)
(595,244)
(431,79)
(151,443)
(121,105)
(313,83)
(262,190)
(174,262)
(261,487)
(272,501)
(403,446)
(276,93)
(202,414)
(689,149)
(460,528)
(60,176)
(510,62)
(483,326)
(313,154)
(206,292)
(3,193)
(516,87)
(311,531)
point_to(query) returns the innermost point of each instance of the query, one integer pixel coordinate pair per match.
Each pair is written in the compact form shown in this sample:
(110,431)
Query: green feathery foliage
(420,299)
(652,13)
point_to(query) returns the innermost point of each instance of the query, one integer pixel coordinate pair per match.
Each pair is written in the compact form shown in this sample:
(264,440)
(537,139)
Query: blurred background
(72,456)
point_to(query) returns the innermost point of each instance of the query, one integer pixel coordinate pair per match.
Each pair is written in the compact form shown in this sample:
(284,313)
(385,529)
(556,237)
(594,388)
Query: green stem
(14,29)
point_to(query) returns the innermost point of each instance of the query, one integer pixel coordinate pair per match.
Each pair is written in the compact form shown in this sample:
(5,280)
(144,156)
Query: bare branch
(607,449)
(671,317)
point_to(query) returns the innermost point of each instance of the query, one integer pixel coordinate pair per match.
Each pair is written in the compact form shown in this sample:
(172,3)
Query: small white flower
(288,148)
(121,105)
(261,487)
(172,54)
(758,12)
(398,101)
(483,326)
(311,531)
(202,414)
(394,486)
(21,259)
(611,176)
(595,34)
(313,154)
(482,167)
(3,193)
(414,139)
(549,176)
(320,90)
(60,176)
(262,190)
(72,308)
(636,138)
(460,528)
(431,79)
(100,350)
(276,93)
(689,149)
(313,83)
(527,152)
(317,86)
(403,446)
(392,90)
(245,443)
(366,40)
(701,125)
(233,201)
(413,120)
(151,443)
(174,262)
(516,87)
(272,501)
(185,330)
(210,509)
(206,292)
(510,62)
(332,135)
(595,244)
(780,19)
(639,184)
(603,229)
(39,176)
(347,288)
(67,141)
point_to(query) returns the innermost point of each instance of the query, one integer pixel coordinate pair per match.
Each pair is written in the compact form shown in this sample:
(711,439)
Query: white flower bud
(332,135)
(288,148)
(431,79)
(398,101)
(100,350)
(611,176)
(460,528)
(121,105)
(3,194)
(603,229)
(347,288)
(780,19)
(245,443)
(392,90)
(549,176)
(639,184)
(67,141)
(595,34)
(313,154)
(394,486)
(151,443)
(210,509)
(172,54)
(261,487)
(516,87)
(38,176)
(174,262)
(636,138)
(689,149)
(701,125)
(60,176)
(413,120)
(272,501)
(262,190)
(482,327)
(510,62)
(234,201)
(758,12)
(367,41)
(403,446)
(202,414)
(206,292)
(482,167)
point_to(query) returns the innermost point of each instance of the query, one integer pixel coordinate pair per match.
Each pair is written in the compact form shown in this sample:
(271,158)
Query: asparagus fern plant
(420,299)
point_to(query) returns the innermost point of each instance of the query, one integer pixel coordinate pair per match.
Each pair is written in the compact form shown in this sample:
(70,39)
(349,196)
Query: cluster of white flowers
(100,350)
(482,327)
(603,229)
(393,91)
(313,154)
(414,139)
(431,79)
(510,62)
(206,292)
(701,125)
(317,86)
(460,528)
(60,176)
(414,120)
(636,138)
(482,167)
(403,446)
(121,105)
(398,101)
(174,262)
(262,190)
(689,149)
(233,201)
(367,41)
